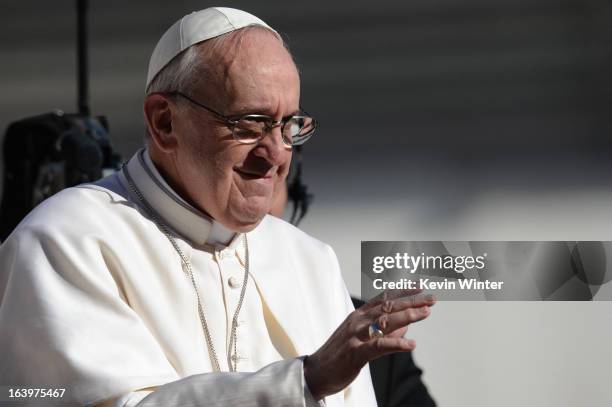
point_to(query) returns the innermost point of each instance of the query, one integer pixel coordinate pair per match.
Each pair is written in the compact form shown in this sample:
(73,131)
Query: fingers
(398,333)
(392,315)
(404,317)
(356,341)
(382,346)
(393,323)
(389,306)
(390,295)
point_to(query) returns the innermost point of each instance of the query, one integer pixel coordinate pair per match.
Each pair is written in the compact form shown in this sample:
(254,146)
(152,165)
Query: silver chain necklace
(232,357)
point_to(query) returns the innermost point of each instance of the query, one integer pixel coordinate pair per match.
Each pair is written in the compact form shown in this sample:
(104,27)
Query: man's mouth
(253,174)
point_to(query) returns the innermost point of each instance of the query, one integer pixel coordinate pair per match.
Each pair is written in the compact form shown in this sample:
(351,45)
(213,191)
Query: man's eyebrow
(260,111)
(298,111)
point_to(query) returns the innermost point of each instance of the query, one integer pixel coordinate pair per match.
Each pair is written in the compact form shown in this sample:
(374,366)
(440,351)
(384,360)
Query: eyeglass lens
(296,130)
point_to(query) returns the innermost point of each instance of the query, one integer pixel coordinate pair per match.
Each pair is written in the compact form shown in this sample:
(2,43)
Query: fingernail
(424,310)
(382,321)
(430,298)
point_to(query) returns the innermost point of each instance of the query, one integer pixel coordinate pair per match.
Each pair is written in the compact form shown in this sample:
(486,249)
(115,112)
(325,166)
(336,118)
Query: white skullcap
(194,28)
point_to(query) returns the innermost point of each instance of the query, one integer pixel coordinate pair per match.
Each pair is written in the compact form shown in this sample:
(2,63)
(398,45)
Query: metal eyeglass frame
(270,123)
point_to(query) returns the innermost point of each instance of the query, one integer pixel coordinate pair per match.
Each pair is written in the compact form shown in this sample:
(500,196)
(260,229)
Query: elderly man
(166,284)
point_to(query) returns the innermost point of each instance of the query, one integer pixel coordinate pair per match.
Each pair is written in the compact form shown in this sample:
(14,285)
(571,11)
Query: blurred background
(440,120)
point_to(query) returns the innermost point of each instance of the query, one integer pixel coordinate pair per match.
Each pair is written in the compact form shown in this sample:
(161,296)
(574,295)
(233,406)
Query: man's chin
(246,218)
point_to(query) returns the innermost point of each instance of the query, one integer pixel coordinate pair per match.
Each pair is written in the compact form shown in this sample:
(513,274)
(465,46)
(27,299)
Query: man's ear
(159,113)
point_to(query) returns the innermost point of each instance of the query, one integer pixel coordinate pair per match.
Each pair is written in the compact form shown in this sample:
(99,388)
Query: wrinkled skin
(195,151)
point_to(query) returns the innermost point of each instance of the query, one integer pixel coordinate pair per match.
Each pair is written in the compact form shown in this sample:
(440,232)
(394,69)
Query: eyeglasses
(251,128)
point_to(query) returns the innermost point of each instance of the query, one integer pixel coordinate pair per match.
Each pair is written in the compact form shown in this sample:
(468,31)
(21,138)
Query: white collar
(172,209)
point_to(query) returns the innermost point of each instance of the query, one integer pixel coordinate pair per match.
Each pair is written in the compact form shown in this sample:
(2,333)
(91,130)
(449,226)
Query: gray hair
(196,64)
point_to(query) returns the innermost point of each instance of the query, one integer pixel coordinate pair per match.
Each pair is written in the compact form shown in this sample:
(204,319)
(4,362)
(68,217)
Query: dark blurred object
(297,192)
(397,380)
(47,153)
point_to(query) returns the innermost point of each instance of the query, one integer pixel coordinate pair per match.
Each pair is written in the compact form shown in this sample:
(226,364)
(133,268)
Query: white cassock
(94,299)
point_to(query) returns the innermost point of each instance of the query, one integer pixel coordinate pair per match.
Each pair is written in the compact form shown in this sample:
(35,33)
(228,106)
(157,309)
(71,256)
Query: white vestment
(95,299)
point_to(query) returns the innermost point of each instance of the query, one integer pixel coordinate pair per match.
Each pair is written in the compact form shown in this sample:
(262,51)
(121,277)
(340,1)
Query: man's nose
(271,146)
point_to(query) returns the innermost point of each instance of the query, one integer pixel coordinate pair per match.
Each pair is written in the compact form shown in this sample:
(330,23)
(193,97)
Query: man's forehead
(257,42)
(249,72)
